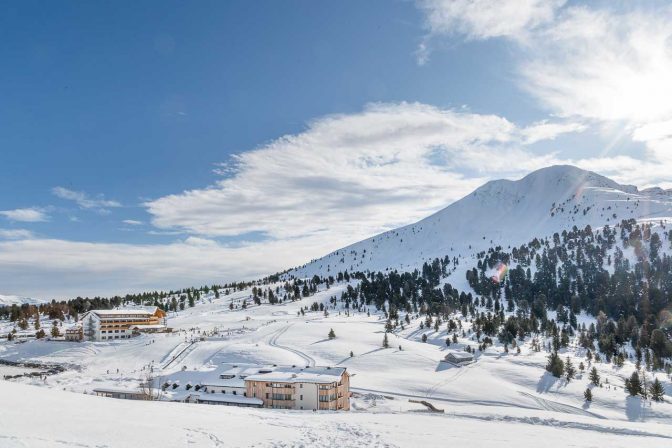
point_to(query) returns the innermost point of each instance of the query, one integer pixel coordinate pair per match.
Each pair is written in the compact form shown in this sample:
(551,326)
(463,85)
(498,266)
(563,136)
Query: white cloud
(15,234)
(25,215)
(132,222)
(606,65)
(544,130)
(88,269)
(482,19)
(355,174)
(98,203)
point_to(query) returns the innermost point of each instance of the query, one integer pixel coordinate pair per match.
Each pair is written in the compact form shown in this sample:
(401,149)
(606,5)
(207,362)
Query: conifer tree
(555,365)
(332,335)
(386,343)
(633,385)
(570,371)
(588,395)
(657,391)
(594,377)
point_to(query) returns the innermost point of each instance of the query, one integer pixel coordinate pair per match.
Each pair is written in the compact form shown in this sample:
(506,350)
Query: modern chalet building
(103,325)
(311,388)
(269,386)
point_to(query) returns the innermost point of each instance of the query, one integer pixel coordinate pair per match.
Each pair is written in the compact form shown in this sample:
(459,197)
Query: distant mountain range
(10,300)
(501,212)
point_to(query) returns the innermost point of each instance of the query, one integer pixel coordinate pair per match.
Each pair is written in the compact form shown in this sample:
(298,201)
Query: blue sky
(164,144)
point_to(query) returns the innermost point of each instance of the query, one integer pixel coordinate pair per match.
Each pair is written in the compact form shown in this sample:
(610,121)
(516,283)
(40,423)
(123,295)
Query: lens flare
(665,320)
(500,272)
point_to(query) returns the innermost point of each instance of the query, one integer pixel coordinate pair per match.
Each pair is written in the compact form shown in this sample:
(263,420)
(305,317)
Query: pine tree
(424,338)
(633,385)
(657,391)
(594,377)
(332,335)
(352,355)
(588,395)
(570,371)
(386,343)
(555,365)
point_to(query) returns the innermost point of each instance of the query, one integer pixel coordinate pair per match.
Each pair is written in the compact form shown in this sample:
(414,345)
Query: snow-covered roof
(122,312)
(149,327)
(301,375)
(461,355)
(112,390)
(229,398)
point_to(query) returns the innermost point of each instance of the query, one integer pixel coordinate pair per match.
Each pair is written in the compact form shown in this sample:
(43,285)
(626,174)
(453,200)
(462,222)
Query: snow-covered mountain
(501,212)
(6,300)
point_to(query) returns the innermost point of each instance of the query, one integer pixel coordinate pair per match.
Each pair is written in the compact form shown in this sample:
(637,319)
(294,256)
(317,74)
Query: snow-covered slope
(10,300)
(505,213)
(49,418)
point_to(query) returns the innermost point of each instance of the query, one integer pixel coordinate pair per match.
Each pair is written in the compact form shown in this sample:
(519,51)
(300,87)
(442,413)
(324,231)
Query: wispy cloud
(357,174)
(15,234)
(601,64)
(132,222)
(83,200)
(106,269)
(483,19)
(26,214)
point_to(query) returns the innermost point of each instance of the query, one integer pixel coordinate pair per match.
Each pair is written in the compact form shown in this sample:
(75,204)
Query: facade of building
(310,388)
(74,334)
(104,325)
(225,400)
(123,394)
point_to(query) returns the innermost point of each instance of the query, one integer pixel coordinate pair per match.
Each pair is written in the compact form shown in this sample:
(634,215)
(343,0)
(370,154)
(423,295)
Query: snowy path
(183,353)
(273,342)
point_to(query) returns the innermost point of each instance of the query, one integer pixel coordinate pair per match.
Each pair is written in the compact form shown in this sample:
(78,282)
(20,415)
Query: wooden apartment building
(309,388)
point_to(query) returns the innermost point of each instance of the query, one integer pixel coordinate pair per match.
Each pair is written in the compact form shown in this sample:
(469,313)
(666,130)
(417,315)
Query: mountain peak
(502,212)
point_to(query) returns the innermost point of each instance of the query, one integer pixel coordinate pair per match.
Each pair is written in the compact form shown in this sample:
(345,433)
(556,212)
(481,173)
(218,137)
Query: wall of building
(306,396)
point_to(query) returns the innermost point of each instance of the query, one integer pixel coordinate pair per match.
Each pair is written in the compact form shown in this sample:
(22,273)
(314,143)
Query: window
(301,399)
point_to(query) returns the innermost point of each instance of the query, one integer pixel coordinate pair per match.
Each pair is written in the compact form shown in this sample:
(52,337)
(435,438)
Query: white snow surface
(500,400)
